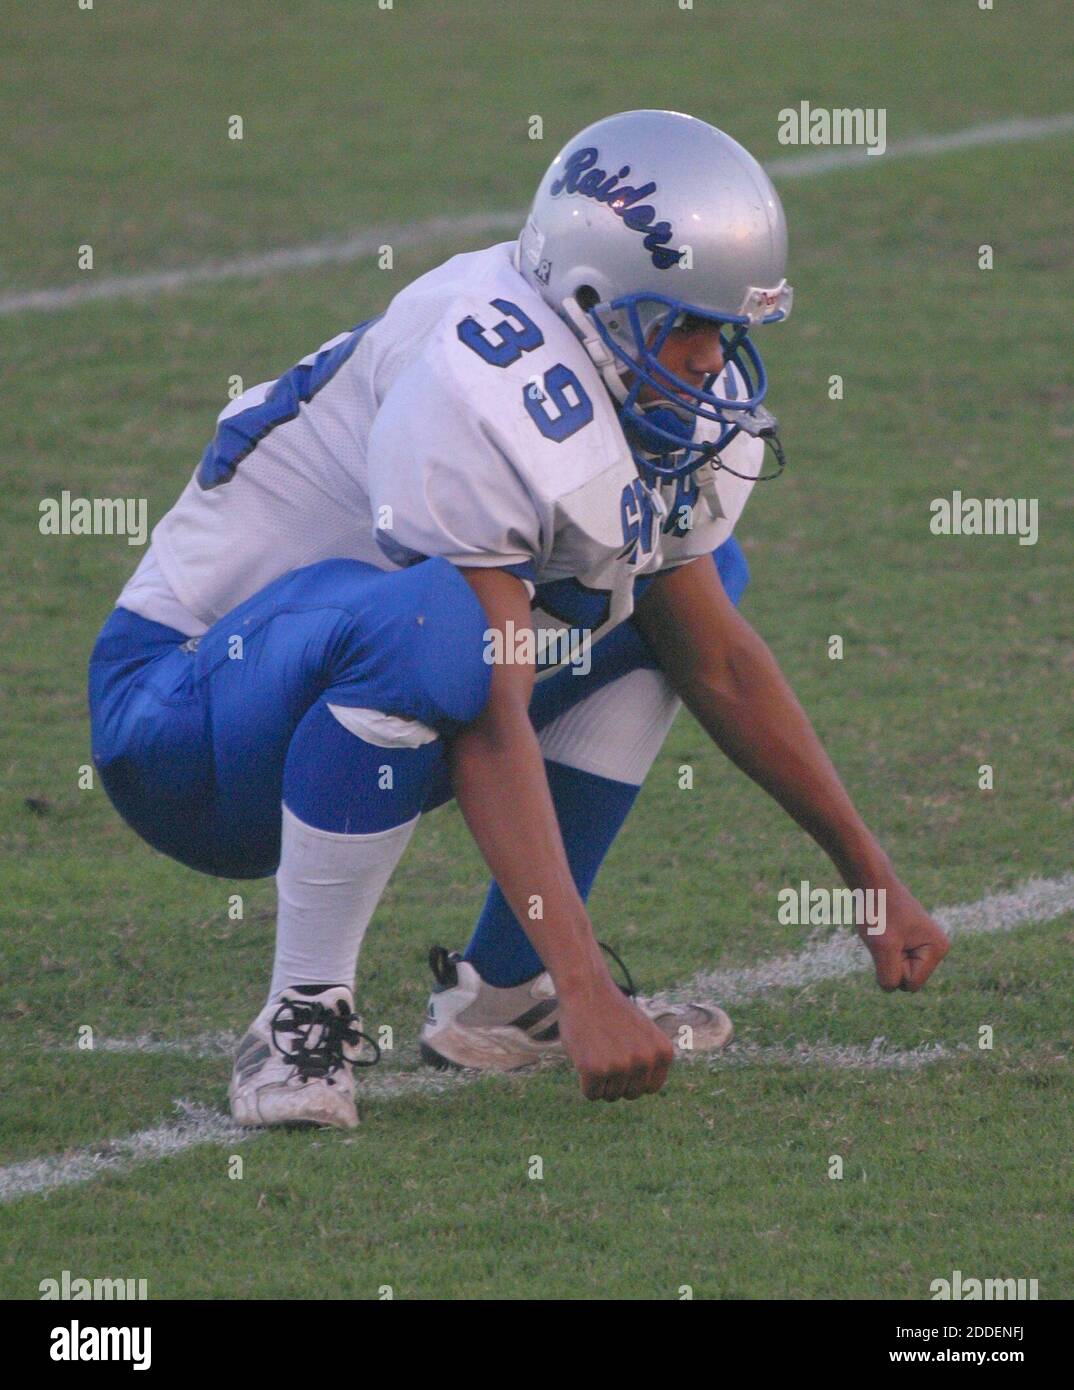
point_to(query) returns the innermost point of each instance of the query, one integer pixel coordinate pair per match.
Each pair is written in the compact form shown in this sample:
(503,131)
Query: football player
(481,545)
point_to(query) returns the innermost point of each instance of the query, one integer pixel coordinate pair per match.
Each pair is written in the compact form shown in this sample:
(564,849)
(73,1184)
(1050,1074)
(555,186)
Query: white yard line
(353,248)
(1010,132)
(384,1083)
(841,1056)
(287,258)
(198,1125)
(1039,900)
(198,1045)
(1035,902)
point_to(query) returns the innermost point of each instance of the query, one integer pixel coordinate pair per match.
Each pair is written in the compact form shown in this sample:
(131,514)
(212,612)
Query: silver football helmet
(647,221)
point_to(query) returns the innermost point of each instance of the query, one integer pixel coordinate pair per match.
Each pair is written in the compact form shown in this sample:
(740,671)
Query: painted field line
(1039,900)
(197,1125)
(366,243)
(840,1056)
(1034,902)
(394,1077)
(1009,132)
(198,1045)
(389,1082)
(287,258)
(386,1083)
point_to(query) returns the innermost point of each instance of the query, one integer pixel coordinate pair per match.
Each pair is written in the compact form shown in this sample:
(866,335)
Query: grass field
(958,653)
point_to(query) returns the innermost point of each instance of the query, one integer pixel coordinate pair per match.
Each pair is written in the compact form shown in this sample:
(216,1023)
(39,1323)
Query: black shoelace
(630,989)
(443,968)
(338,1029)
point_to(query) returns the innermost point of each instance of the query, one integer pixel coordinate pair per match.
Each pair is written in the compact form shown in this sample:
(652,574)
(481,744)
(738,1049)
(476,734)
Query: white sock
(328,887)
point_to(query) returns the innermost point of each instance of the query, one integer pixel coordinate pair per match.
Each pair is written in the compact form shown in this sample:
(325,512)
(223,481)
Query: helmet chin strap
(602,356)
(664,415)
(611,371)
(673,420)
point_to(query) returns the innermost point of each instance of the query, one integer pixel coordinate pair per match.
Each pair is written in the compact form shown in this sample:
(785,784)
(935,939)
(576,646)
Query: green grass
(958,652)
(721,1183)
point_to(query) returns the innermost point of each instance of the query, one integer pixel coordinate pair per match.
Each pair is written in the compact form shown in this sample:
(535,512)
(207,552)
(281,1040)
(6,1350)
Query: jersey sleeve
(443,479)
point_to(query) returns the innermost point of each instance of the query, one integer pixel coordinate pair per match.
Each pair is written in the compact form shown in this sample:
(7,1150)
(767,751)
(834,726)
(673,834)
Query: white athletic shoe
(294,1066)
(475,1025)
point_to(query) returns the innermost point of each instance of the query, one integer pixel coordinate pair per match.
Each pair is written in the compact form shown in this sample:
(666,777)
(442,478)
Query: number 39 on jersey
(556,402)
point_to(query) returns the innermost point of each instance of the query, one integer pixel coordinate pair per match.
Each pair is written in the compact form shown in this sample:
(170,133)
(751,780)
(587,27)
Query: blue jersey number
(241,433)
(573,407)
(559,388)
(513,342)
(639,520)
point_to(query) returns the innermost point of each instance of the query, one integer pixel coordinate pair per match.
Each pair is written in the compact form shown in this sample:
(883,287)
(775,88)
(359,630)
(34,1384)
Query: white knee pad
(617,731)
(383,730)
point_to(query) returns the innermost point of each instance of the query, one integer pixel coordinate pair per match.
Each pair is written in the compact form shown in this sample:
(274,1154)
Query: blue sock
(336,781)
(591,811)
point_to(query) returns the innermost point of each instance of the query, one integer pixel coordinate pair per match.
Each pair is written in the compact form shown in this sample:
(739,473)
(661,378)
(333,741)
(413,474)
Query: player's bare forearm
(732,684)
(500,783)
(499,780)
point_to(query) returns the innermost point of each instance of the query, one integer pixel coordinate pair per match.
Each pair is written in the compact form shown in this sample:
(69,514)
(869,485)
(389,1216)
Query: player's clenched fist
(910,946)
(618,1052)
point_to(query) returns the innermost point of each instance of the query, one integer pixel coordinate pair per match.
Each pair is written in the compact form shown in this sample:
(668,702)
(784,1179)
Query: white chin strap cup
(602,356)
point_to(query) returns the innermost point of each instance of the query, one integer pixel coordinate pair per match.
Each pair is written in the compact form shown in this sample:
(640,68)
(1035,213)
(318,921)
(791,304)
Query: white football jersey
(467,422)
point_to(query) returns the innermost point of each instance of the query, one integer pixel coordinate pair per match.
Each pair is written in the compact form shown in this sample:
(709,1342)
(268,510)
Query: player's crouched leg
(406,667)
(412,643)
(299,734)
(191,736)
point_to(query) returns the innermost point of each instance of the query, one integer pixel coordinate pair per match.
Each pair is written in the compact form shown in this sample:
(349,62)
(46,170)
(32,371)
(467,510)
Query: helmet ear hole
(586,296)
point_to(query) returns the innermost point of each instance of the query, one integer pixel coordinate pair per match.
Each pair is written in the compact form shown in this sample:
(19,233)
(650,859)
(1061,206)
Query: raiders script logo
(583,178)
